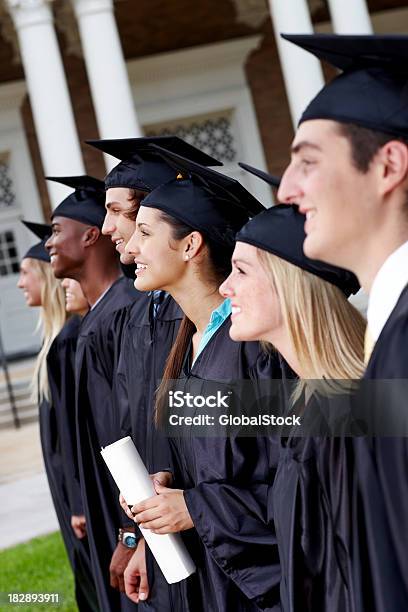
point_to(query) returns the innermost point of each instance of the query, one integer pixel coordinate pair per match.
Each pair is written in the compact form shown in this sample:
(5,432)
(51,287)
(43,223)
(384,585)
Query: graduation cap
(372,91)
(231,187)
(141,167)
(86,204)
(280,231)
(42,231)
(204,199)
(272,180)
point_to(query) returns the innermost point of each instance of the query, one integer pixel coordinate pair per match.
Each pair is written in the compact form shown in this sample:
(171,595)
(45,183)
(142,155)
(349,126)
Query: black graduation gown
(339,503)
(381,539)
(147,341)
(97,425)
(226,484)
(58,441)
(311,507)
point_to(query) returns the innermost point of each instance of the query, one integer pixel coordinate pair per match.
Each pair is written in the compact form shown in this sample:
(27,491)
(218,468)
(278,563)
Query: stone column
(350,17)
(302,72)
(48,91)
(111,92)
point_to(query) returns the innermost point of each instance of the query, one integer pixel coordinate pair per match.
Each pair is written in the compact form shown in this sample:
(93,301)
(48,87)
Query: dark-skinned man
(78,250)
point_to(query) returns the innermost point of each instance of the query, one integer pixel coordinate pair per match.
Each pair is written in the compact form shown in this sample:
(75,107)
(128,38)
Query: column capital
(90,7)
(30,12)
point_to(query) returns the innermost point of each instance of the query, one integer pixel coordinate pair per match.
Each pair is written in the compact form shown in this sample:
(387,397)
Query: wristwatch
(127,538)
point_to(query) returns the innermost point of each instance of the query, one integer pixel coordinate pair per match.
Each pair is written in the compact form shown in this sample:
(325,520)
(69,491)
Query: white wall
(17,321)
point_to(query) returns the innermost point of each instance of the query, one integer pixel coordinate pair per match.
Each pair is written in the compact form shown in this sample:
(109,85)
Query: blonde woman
(41,288)
(300,307)
(53,382)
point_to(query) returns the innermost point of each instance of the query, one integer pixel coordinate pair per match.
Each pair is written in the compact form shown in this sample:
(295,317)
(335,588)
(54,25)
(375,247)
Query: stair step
(27,415)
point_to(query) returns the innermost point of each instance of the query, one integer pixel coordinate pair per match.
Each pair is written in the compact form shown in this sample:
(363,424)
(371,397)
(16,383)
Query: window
(9,260)
(212,133)
(7,196)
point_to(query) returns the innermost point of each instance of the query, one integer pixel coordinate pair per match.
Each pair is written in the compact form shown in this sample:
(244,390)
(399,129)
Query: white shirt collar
(100,298)
(386,289)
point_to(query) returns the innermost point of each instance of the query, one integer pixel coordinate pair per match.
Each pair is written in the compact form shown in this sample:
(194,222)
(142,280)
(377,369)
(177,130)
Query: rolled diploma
(133,481)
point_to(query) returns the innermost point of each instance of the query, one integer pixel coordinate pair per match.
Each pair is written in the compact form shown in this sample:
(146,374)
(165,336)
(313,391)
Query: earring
(187,257)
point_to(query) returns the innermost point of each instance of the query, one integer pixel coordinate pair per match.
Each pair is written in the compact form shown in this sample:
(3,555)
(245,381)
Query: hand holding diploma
(133,481)
(164,478)
(125,507)
(166,512)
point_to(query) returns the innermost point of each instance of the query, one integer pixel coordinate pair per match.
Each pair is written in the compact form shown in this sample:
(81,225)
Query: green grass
(39,566)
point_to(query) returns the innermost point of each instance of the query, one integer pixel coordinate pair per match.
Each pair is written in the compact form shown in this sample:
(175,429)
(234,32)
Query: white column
(111,92)
(48,91)
(302,72)
(350,17)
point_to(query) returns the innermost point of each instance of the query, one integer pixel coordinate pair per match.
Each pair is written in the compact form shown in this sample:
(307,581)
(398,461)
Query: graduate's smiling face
(121,205)
(65,247)
(75,301)
(256,313)
(30,281)
(160,260)
(336,198)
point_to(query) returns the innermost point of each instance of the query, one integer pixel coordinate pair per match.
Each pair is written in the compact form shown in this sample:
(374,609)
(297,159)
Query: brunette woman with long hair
(182,245)
(305,315)
(134,344)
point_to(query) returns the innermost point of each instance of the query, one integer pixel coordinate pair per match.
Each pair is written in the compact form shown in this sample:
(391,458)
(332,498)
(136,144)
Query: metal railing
(9,386)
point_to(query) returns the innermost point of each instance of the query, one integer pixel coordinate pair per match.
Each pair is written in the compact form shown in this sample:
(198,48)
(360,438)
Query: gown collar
(386,290)
(217,318)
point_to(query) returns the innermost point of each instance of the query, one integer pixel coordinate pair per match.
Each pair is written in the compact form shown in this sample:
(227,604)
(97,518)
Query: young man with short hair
(349,176)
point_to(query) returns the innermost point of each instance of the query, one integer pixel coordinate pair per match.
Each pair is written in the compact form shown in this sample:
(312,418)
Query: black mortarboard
(141,167)
(86,204)
(265,176)
(38,251)
(280,230)
(204,199)
(372,91)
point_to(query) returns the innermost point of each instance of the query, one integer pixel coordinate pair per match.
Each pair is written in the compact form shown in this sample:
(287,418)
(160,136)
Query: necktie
(369,344)
(158,297)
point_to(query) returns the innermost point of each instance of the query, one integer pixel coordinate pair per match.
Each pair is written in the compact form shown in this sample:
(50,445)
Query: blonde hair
(325,330)
(52,319)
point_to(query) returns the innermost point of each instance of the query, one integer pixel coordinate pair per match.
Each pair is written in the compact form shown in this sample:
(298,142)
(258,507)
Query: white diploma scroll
(134,483)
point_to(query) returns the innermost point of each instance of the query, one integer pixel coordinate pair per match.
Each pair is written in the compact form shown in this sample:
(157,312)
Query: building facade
(211,71)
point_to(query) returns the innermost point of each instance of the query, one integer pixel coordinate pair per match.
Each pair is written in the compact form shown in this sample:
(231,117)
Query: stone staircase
(20,374)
